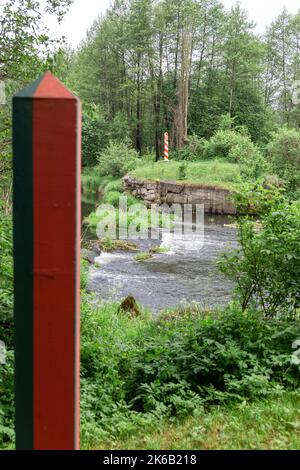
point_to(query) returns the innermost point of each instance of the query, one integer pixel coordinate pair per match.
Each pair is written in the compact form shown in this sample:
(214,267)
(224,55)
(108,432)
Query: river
(183,274)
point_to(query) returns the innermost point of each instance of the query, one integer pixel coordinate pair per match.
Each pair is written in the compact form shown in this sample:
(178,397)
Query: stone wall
(216,201)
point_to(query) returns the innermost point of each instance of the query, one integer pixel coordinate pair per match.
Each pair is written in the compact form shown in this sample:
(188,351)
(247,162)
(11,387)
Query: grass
(159,249)
(187,379)
(92,181)
(137,221)
(108,245)
(143,256)
(272,424)
(210,174)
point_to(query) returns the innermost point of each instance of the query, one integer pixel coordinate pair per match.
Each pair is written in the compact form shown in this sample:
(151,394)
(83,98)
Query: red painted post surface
(55,158)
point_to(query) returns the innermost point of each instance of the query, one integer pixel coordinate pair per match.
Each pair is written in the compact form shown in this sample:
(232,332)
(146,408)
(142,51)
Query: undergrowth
(138,373)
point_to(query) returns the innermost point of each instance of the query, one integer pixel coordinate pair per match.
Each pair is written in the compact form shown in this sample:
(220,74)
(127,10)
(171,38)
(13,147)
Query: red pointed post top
(46,86)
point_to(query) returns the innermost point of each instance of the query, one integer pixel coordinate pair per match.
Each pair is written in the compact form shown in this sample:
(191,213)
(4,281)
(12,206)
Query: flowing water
(185,273)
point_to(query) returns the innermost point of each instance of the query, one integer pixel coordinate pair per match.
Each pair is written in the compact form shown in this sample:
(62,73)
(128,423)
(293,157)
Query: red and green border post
(46,141)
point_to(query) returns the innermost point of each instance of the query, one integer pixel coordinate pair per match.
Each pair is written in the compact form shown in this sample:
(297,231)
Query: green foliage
(225,144)
(159,249)
(119,129)
(284,154)
(7,433)
(137,372)
(143,256)
(93,182)
(182,171)
(95,136)
(193,150)
(266,267)
(236,146)
(107,244)
(6,330)
(6,278)
(117,159)
(112,198)
(113,191)
(25,41)
(84,272)
(210,174)
(115,185)
(265,424)
(259,198)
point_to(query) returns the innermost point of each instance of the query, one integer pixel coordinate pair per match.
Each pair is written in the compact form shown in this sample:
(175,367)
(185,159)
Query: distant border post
(166,146)
(46,145)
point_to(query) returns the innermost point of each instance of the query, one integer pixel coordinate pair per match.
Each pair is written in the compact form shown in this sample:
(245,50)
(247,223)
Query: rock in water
(129,305)
(88,255)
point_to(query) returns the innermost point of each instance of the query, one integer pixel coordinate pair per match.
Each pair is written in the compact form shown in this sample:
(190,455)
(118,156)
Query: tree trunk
(138,140)
(181,113)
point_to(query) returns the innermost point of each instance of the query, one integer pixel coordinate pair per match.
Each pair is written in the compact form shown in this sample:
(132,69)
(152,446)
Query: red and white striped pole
(166,147)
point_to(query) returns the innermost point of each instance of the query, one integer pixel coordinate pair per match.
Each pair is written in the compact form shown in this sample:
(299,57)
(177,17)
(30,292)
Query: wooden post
(166,146)
(46,136)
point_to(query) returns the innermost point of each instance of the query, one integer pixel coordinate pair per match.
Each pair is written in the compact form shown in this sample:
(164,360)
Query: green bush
(6,330)
(193,150)
(112,198)
(266,267)
(119,129)
(6,279)
(221,143)
(7,426)
(284,154)
(140,371)
(237,147)
(182,171)
(230,145)
(131,200)
(114,186)
(118,159)
(95,136)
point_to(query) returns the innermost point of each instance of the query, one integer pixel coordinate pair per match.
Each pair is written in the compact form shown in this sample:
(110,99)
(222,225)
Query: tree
(25,50)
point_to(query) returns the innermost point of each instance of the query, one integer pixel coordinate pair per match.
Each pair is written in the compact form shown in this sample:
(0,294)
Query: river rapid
(187,272)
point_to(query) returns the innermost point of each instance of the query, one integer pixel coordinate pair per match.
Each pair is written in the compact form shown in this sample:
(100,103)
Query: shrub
(138,371)
(7,433)
(6,279)
(95,136)
(117,159)
(284,154)
(229,144)
(251,161)
(114,186)
(221,143)
(182,171)
(143,256)
(6,330)
(119,129)
(112,198)
(193,150)
(237,147)
(266,267)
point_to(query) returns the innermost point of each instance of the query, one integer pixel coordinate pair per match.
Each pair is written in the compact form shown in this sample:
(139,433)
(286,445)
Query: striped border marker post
(166,146)
(46,140)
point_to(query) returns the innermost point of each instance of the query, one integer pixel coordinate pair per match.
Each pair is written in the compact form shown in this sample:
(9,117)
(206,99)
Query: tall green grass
(92,181)
(268,424)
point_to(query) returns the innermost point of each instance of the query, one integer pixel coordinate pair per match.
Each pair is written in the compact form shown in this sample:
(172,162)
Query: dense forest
(150,66)
(188,376)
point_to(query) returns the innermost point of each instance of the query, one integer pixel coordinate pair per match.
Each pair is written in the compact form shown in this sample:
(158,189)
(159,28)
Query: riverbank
(213,199)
